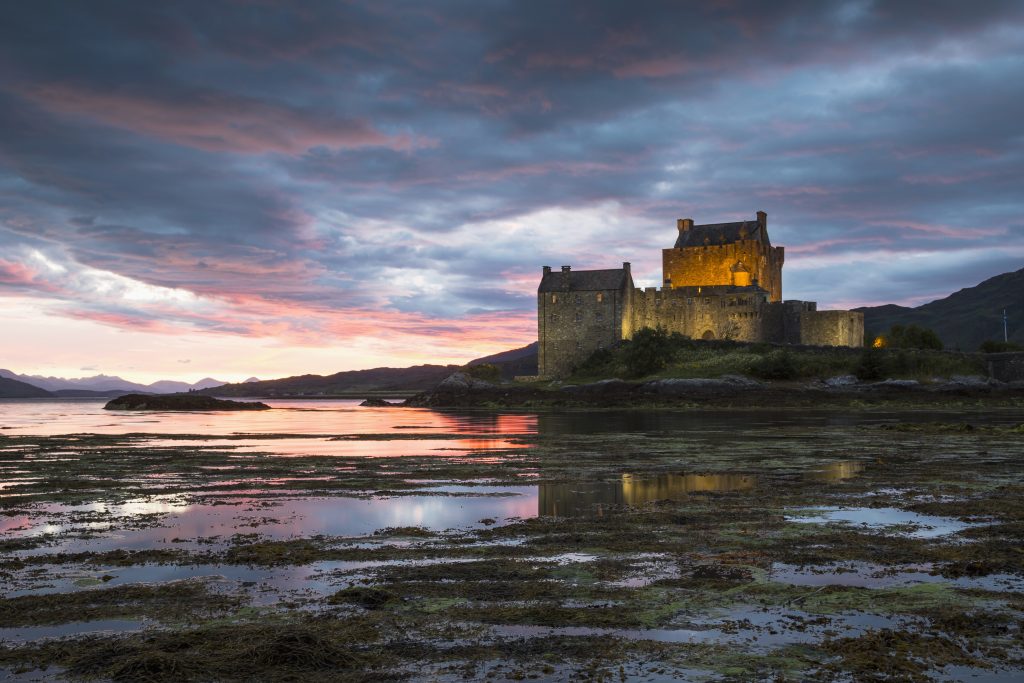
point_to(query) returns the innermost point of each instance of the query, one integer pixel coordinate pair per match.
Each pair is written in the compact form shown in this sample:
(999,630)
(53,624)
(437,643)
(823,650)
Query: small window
(554,317)
(579,299)
(579,346)
(689,301)
(554,298)
(599,316)
(579,317)
(600,297)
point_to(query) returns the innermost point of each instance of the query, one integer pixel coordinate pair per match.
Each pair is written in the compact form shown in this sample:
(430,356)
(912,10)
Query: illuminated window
(554,298)
(600,297)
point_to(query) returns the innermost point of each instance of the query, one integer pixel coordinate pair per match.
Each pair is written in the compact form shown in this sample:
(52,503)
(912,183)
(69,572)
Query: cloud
(384,177)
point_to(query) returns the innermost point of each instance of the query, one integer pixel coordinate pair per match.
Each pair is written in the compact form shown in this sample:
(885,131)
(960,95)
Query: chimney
(566,282)
(565,269)
(684,224)
(547,270)
(762,219)
(625,267)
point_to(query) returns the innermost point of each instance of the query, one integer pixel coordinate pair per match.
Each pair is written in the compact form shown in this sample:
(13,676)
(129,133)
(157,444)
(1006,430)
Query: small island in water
(189,401)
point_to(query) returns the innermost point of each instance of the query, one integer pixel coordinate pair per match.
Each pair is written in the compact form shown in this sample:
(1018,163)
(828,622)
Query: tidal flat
(331,542)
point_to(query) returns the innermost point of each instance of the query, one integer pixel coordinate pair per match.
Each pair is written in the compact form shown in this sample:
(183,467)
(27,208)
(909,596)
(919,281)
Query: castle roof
(722,233)
(585,280)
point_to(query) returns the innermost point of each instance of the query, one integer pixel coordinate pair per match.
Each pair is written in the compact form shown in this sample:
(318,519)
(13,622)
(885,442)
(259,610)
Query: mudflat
(693,544)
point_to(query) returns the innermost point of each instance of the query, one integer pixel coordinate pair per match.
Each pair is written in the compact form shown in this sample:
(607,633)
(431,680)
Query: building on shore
(720,281)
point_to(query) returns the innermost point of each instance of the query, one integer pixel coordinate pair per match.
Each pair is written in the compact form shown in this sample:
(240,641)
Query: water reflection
(836,471)
(595,498)
(187,525)
(328,417)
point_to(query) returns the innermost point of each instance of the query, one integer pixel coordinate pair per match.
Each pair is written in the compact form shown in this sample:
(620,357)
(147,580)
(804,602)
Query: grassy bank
(677,357)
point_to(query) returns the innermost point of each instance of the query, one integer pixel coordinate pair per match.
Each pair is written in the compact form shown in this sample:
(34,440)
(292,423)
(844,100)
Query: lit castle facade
(720,281)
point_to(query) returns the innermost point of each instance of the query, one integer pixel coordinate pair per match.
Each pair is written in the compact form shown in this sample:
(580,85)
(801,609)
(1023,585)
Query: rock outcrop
(186,402)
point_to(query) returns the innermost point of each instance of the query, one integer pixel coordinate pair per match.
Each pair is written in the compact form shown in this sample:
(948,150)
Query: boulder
(680,386)
(460,382)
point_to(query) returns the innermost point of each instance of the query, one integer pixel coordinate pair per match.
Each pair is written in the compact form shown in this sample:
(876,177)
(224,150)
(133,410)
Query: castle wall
(572,325)
(712,264)
(832,328)
(699,315)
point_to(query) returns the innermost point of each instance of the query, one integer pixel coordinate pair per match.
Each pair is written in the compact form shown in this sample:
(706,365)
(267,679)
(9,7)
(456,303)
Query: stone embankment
(461,390)
(186,402)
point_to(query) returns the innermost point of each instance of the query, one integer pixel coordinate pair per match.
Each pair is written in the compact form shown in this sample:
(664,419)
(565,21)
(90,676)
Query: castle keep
(720,281)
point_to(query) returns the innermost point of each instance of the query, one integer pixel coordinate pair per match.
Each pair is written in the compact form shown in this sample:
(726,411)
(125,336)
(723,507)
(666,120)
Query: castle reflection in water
(584,499)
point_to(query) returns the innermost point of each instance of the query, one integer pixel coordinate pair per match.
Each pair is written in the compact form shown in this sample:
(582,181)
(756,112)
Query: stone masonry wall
(832,328)
(699,315)
(711,265)
(572,325)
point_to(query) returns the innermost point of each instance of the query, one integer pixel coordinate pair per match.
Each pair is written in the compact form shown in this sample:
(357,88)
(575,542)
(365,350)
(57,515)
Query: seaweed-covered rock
(377,403)
(190,401)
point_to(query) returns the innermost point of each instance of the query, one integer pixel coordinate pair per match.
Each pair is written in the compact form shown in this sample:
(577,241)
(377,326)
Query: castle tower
(737,254)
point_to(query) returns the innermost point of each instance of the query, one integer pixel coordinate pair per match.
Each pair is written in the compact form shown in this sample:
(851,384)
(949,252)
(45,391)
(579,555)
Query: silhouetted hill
(416,378)
(964,319)
(12,388)
(521,361)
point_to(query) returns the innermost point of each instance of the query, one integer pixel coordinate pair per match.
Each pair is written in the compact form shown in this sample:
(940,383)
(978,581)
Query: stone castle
(721,281)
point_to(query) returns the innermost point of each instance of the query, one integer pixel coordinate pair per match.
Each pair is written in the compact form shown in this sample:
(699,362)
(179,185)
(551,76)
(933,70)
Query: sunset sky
(245,188)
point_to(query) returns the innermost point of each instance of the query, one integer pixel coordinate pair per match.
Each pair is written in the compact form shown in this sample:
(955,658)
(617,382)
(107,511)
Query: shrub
(912,337)
(871,366)
(775,365)
(596,363)
(485,371)
(650,350)
(992,346)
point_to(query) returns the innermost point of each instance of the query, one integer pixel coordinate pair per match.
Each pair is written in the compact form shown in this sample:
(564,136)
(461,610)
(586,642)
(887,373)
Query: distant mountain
(12,388)
(103,385)
(964,319)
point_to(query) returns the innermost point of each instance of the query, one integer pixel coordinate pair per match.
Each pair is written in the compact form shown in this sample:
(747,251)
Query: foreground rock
(728,391)
(191,401)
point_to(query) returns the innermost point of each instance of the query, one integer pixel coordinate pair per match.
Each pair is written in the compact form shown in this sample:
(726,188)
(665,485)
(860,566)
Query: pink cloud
(956,232)
(658,67)
(219,122)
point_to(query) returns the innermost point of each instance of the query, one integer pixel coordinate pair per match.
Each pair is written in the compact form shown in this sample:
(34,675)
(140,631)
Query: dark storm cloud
(428,158)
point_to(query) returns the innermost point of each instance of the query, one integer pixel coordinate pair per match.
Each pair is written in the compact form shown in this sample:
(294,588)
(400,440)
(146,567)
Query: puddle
(869,575)
(889,520)
(277,518)
(74,628)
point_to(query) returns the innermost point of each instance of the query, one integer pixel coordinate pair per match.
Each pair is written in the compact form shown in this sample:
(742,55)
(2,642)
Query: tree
(912,337)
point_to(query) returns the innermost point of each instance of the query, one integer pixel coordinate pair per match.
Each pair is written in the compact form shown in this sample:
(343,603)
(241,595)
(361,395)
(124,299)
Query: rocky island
(189,401)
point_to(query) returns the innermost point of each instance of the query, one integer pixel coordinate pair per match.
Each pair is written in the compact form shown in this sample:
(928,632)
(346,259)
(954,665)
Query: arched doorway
(708,335)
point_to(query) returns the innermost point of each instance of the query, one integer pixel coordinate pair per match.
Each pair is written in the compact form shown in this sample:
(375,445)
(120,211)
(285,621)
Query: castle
(720,281)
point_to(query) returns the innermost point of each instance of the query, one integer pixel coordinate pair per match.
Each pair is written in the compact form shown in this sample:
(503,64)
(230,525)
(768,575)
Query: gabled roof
(722,233)
(585,280)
